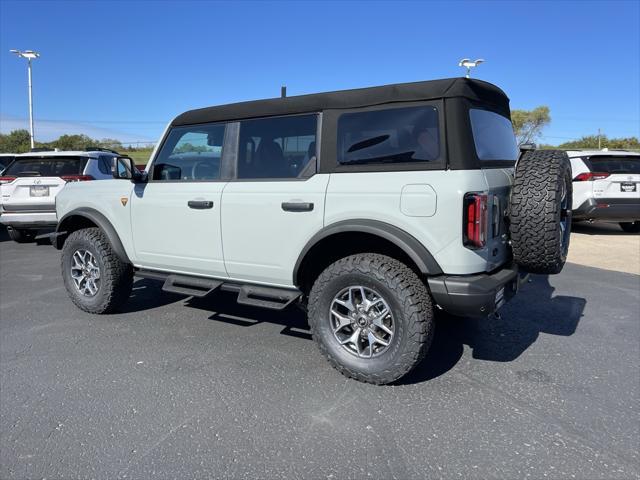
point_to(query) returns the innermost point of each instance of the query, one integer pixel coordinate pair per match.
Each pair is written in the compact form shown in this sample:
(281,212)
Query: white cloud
(47,130)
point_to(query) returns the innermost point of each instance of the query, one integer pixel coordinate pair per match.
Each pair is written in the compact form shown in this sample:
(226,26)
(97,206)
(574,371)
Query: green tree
(528,124)
(591,141)
(17,141)
(111,143)
(74,142)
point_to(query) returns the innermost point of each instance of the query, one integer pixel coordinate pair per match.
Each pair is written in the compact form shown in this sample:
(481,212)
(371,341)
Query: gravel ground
(179,388)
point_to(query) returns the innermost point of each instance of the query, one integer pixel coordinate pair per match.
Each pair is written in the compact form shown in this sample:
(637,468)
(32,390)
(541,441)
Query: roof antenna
(283,91)
(468,64)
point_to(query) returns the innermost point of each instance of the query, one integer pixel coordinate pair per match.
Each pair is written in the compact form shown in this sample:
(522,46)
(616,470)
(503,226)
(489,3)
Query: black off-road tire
(409,302)
(21,235)
(116,276)
(537,211)
(630,227)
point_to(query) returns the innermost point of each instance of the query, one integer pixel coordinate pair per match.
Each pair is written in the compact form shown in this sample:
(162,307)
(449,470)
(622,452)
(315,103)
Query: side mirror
(123,168)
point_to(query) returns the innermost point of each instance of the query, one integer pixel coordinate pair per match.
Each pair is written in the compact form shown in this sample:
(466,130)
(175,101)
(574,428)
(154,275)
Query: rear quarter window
(104,164)
(393,135)
(493,136)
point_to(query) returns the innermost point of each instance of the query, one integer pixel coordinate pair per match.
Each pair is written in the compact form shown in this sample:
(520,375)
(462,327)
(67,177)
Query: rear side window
(613,163)
(46,167)
(104,164)
(280,147)
(493,136)
(191,153)
(394,135)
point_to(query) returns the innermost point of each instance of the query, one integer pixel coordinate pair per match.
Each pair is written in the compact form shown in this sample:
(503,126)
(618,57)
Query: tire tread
(535,210)
(410,292)
(116,277)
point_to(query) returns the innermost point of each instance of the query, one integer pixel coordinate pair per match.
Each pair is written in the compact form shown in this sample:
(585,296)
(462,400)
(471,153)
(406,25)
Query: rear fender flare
(403,240)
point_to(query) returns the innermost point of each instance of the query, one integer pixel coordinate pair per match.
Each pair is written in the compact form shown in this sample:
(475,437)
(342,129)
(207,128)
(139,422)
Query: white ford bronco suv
(369,208)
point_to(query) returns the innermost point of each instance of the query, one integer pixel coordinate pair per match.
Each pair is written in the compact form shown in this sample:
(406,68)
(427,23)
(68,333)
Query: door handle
(297,206)
(200,204)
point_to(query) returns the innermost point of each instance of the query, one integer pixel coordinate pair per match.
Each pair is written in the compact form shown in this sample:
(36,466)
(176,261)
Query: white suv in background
(30,183)
(606,187)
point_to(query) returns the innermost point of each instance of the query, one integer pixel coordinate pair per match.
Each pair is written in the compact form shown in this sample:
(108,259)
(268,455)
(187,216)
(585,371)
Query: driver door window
(191,153)
(175,216)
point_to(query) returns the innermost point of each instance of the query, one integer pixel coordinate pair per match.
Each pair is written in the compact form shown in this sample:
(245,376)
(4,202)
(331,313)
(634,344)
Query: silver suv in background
(30,183)
(606,187)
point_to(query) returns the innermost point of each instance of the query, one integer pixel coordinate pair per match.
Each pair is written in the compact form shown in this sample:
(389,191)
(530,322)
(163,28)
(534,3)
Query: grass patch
(141,157)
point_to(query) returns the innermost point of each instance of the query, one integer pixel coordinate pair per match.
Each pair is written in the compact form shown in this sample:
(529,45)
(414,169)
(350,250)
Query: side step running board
(191,286)
(266,297)
(253,295)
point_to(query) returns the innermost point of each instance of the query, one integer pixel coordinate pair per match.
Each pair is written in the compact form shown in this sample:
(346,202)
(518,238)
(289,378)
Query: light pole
(468,64)
(29,55)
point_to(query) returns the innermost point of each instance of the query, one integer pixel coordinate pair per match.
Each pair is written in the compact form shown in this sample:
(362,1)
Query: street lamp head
(28,54)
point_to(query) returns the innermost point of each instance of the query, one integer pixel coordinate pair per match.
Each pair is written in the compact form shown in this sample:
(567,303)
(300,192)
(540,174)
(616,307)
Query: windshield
(46,167)
(613,163)
(493,136)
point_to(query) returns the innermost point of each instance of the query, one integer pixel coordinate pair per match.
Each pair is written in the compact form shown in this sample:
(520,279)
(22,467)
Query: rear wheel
(21,235)
(372,317)
(95,278)
(540,211)
(630,227)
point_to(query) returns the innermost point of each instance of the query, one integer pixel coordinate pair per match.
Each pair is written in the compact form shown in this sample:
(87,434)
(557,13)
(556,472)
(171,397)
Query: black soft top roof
(476,90)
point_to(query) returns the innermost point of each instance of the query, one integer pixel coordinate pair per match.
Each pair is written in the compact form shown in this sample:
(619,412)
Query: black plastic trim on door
(200,204)
(297,206)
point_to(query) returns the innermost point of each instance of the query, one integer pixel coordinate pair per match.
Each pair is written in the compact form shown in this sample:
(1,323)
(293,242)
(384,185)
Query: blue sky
(124,69)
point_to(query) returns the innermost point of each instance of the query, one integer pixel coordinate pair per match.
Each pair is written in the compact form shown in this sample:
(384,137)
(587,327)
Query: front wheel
(372,317)
(630,227)
(96,280)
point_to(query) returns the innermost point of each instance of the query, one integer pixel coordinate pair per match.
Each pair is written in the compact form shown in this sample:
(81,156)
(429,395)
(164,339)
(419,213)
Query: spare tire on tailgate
(540,211)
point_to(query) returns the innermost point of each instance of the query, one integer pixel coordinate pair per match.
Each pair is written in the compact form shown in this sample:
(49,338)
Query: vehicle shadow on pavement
(4,236)
(147,294)
(225,309)
(501,338)
(602,228)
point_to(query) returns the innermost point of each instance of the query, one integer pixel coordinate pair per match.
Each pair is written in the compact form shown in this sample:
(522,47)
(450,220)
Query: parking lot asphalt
(180,388)
(604,245)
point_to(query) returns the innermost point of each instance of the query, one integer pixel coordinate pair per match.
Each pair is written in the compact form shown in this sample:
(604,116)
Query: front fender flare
(98,219)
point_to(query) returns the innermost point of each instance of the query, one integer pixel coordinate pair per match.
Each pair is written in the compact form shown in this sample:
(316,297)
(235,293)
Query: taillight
(591,176)
(76,178)
(475,220)
(6,180)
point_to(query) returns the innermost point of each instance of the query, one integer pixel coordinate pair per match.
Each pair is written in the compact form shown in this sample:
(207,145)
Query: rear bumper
(619,209)
(476,295)
(29,220)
